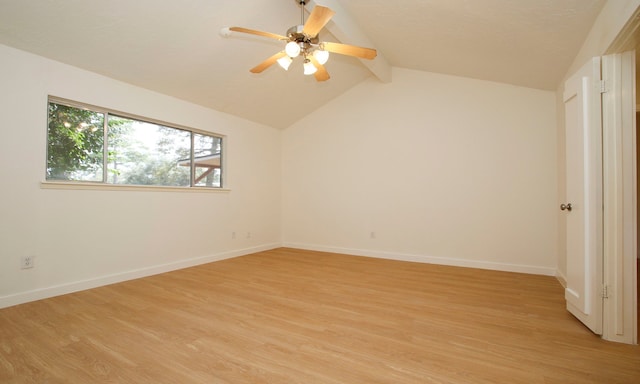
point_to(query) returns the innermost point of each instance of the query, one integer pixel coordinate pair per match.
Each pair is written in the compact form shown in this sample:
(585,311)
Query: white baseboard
(430,259)
(62,289)
(561,278)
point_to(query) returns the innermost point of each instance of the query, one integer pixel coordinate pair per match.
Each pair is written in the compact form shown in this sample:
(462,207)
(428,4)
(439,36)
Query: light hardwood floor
(290,316)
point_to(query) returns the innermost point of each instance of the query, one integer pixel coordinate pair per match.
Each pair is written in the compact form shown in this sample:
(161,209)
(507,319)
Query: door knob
(566,207)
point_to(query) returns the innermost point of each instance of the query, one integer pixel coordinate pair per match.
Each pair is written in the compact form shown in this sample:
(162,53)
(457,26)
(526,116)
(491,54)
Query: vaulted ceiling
(176,48)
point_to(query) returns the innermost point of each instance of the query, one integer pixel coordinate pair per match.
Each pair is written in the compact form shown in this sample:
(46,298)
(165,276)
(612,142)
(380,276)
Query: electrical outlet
(248,235)
(233,235)
(26,262)
(372,235)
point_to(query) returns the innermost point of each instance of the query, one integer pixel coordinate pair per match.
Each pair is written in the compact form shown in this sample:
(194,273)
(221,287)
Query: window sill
(120,187)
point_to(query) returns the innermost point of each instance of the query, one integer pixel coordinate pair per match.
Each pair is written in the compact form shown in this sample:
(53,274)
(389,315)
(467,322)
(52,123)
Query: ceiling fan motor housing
(295,34)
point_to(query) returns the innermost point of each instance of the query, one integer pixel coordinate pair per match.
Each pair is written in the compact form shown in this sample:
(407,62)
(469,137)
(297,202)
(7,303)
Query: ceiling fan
(303,41)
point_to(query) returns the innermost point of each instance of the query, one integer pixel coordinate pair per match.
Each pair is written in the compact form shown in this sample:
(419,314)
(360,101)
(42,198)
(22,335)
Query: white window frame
(103,185)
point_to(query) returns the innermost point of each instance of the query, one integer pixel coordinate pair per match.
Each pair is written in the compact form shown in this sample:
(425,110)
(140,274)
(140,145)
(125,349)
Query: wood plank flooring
(291,316)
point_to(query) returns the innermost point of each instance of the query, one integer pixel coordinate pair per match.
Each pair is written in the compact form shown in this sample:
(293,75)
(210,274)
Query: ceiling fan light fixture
(309,68)
(321,56)
(292,49)
(285,62)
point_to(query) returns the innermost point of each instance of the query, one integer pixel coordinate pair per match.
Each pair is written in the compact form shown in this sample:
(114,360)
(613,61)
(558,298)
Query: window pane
(75,144)
(206,153)
(142,153)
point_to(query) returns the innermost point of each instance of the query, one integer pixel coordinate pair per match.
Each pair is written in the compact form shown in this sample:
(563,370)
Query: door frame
(621,202)
(619,197)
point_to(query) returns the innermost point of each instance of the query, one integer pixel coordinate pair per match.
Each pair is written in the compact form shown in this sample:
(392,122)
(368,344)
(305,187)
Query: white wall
(443,169)
(86,238)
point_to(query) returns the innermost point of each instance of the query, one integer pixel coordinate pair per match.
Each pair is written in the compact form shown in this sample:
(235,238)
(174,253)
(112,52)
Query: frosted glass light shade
(292,49)
(321,56)
(309,68)
(285,62)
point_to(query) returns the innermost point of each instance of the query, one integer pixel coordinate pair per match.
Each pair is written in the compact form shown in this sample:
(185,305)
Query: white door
(583,202)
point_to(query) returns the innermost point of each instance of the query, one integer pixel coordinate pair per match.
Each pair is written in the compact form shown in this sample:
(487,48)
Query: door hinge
(603,86)
(605,292)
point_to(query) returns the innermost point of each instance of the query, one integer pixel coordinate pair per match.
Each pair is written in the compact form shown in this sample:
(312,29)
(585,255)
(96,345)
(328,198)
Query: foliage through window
(91,144)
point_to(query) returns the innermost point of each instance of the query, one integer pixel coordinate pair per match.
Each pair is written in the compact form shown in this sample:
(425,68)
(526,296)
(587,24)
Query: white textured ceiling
(174,47)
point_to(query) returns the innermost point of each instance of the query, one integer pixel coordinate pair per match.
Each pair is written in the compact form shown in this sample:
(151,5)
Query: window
(91,144)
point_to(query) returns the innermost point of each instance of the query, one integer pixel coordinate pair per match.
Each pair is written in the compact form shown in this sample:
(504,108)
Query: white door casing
(619,194)
(583,124)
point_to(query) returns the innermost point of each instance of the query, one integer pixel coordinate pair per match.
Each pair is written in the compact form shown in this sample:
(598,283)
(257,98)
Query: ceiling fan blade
(259,33)
(319,17)
(267,63)
(321,74)
(350,50)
